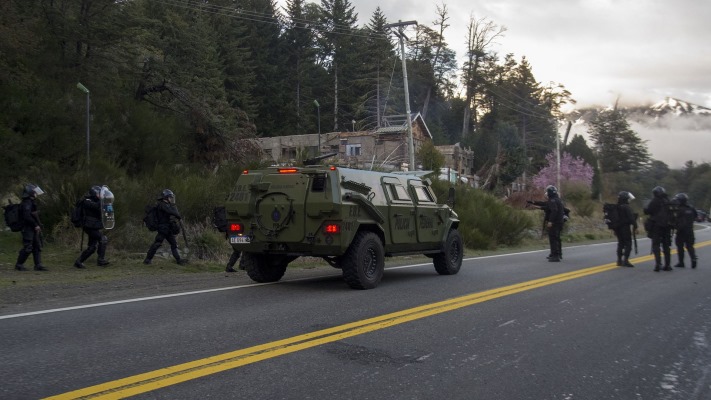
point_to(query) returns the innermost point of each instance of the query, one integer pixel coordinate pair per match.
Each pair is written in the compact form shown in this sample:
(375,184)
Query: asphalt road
(506,327)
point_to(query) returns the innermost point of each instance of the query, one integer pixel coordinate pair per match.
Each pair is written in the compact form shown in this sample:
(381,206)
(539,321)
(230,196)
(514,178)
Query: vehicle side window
(423,195)
(398,192)
(401,193)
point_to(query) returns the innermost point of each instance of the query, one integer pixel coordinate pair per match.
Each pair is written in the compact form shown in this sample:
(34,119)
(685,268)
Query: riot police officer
(31,230)
(555,218)
(168,228)
(660,231)
(685,217)
(92,226)
(623,231)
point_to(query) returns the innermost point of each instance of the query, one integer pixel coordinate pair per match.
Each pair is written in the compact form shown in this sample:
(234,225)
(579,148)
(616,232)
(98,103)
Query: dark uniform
(555,218)
(92,226)
(31,230)
(623,231)
(232,261)
(660,231)
(685,217)
(168,228)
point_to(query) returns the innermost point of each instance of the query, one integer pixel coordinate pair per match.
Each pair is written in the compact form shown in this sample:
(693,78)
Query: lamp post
(88,103)
(318,117)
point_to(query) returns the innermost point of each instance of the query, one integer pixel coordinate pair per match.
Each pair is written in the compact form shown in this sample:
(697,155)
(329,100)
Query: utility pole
(401,35)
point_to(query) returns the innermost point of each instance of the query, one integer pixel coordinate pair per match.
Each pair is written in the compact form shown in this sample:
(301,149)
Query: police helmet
(625,196)
(682,198)
(95,191)
(167,194)
(658,191)
(551,191)
(31,190)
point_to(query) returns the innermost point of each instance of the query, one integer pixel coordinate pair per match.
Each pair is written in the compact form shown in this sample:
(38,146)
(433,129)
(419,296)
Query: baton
(182,229)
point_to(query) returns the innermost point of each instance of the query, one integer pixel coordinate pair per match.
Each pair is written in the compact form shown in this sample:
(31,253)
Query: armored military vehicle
(351,218)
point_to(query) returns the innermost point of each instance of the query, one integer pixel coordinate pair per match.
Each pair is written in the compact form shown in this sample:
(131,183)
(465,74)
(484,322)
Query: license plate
(239,239)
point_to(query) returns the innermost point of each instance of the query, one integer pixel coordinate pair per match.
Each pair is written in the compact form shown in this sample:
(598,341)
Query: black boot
(657,268)
(78,264)
(21,258)
(627,263)
(693,263)
(151,252)
(176,255)
(619,261)
(37,257)
(101,262)
(679,265)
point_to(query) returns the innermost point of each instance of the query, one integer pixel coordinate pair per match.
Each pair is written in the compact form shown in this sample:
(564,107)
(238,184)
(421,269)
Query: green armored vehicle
(351,218)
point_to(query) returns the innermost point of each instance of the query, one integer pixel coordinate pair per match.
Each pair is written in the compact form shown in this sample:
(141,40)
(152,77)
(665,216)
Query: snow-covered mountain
(664,110)
(674,131)
(677,107)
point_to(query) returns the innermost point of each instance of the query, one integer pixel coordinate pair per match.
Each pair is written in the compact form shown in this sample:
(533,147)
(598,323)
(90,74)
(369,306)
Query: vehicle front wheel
(449,261)
(261,268)
(364,262)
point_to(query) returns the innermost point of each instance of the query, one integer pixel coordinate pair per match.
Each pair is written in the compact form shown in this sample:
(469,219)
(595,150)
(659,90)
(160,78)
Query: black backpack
(672,209)
(13,219)
(77,214)
(150,218)
(611,215)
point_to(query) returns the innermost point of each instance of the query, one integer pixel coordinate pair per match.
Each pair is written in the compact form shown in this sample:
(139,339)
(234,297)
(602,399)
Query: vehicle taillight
(333,168)
(332,228)
(288,170)
(245,172)
(236,228)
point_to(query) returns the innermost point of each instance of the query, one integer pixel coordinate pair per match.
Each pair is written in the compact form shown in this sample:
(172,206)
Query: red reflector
(332,228)
(288,170)
(235,227)
(245,172)
(333,168)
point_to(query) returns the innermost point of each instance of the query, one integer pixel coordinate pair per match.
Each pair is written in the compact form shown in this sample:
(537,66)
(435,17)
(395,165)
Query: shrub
(485,221)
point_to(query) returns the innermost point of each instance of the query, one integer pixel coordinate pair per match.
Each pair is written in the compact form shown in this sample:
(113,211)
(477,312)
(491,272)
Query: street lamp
(318,117)
(88,103)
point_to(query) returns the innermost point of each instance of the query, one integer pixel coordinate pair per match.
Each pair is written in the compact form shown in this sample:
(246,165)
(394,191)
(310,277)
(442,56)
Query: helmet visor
(38,191)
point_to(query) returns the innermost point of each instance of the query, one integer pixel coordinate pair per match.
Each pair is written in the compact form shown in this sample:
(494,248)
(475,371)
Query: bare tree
(481,34)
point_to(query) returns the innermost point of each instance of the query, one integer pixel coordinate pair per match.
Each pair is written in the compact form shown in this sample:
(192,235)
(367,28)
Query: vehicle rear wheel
(364,262)
(262,268)
(449,261)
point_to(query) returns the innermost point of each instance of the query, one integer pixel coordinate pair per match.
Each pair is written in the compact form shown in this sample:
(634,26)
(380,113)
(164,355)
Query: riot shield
(107,207)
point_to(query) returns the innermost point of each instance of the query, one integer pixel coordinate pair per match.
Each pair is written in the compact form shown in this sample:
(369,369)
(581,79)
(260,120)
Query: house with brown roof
(385,148)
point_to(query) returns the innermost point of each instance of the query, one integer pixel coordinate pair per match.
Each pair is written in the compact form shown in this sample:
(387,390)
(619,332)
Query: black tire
(261,268)
(449,261)
(364,262)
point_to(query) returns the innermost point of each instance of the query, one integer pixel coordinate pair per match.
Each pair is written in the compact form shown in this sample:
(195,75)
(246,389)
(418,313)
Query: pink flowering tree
(572,170)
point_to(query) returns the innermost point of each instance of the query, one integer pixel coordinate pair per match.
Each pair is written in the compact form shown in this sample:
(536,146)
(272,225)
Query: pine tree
(619,147)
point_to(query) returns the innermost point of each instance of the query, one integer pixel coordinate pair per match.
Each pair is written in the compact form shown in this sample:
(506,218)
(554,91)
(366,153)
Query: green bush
(485,221)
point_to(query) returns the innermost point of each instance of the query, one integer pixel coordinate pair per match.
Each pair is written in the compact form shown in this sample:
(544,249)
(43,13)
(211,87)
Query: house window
(288,153)
(353,149)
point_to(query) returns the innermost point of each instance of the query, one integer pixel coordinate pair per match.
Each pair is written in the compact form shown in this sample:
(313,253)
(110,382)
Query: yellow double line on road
(169,376)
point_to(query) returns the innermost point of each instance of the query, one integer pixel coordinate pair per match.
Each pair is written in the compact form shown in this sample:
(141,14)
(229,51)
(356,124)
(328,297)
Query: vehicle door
(401,212)
(426,210)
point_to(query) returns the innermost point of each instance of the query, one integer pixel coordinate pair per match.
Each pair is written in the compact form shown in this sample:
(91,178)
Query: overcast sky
(639,50)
